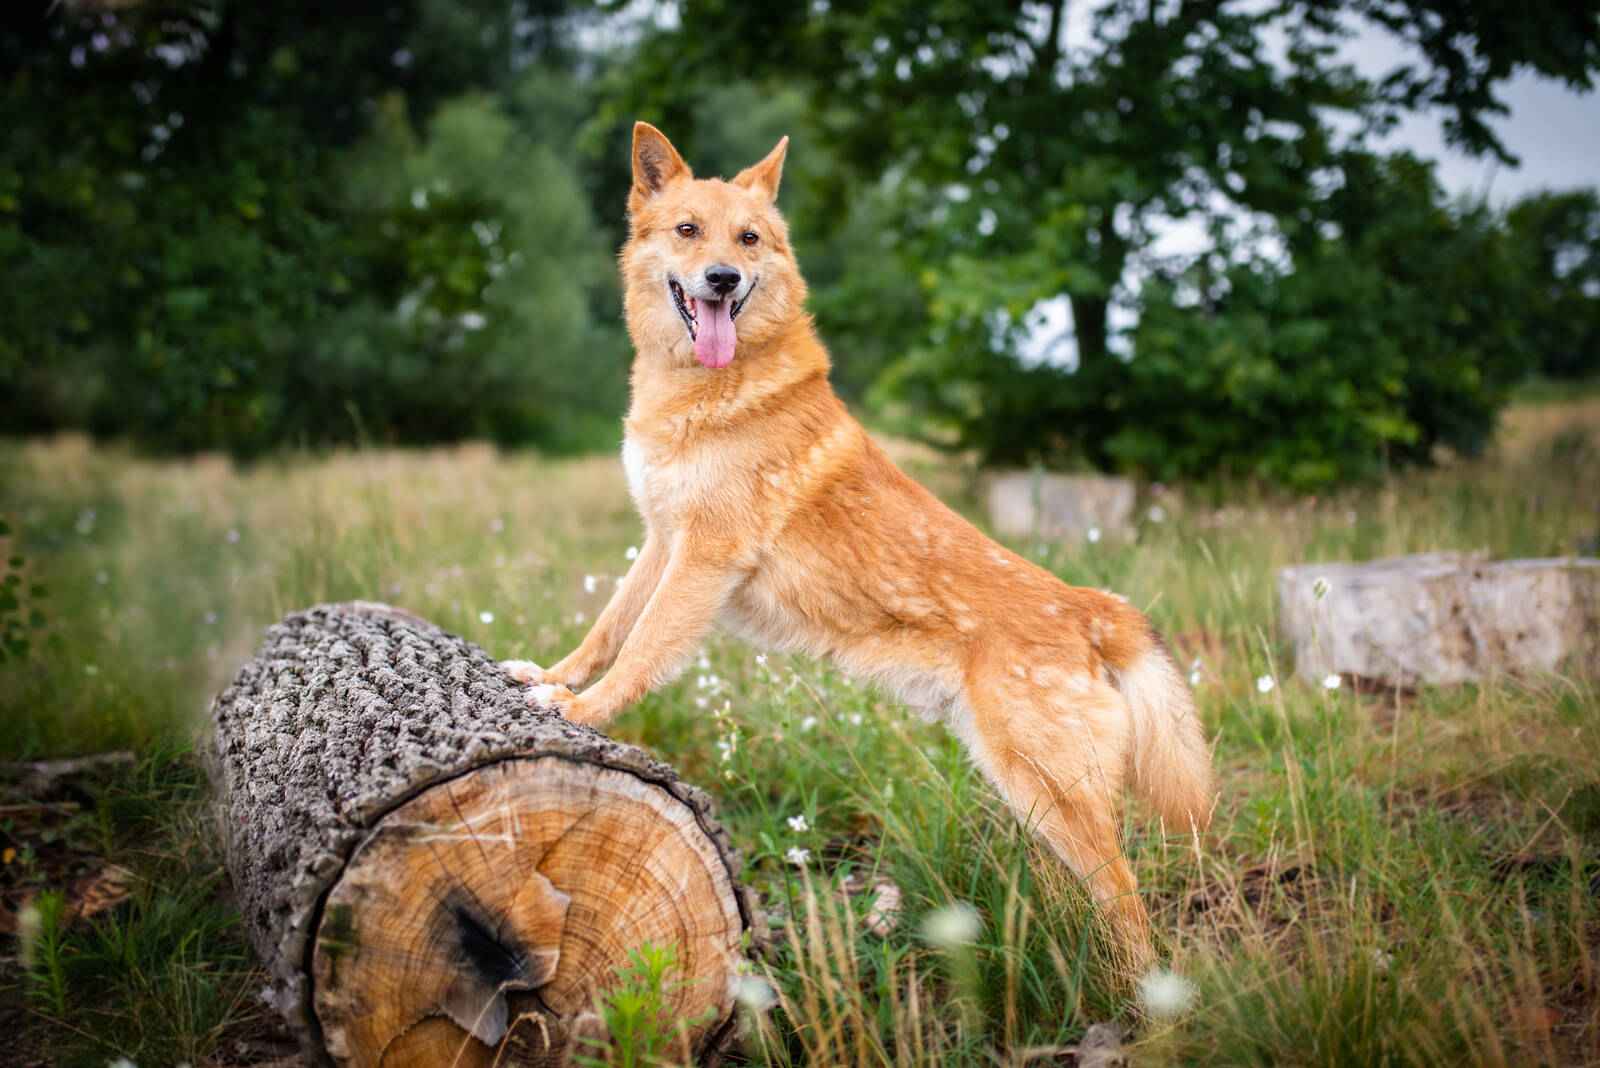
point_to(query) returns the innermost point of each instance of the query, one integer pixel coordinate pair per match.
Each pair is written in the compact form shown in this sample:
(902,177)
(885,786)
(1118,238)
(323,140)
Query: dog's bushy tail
(1170,763)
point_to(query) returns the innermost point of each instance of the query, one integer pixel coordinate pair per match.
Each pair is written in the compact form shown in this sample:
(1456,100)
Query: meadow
(1392,878)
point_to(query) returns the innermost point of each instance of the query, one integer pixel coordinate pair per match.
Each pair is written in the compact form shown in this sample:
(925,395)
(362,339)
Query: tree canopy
(259,224)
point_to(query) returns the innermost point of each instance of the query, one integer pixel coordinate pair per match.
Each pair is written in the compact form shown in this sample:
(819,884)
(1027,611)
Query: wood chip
(99,891)
(1102,1047)
(885,911)
(40,775)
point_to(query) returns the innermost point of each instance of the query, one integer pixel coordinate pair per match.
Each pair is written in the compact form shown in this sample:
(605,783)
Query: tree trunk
(435,874)
(1089,327)
(1440,619)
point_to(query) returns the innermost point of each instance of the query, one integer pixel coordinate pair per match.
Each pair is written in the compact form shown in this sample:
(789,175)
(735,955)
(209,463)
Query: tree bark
(434,873)
(1089,327)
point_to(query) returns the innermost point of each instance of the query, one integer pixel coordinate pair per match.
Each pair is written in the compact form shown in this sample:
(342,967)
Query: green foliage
(1022,172)
(1383,882)
(639,1031)
(1559,236)
(177,189)
(1393,335)
(253,226)
(42,936)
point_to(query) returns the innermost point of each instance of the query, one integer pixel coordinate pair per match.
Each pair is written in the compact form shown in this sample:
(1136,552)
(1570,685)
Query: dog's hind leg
(1059,760)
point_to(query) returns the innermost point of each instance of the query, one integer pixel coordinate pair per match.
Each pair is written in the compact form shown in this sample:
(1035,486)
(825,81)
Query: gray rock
(1024,504)
(1441,618)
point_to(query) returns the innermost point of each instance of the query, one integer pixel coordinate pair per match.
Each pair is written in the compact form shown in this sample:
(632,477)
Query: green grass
(1385,883)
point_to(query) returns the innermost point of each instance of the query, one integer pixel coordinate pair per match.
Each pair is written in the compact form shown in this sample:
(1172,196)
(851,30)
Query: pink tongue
(714,335)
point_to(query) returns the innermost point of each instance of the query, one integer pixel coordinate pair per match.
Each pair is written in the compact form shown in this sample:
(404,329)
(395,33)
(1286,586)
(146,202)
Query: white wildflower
(797,856)
(1265,684)
(761,659)
(1157,514)
(1194,677)
(485,617)
(419,199)
(703,663)
(808,723)
(1094,535)
(754,993)
(233,536)
(1165,993)
(589,583)
(579,618)
(798,824)
(1331,682)
(211,618)
(952,926)
(700,702)
(632,553)
(855,719)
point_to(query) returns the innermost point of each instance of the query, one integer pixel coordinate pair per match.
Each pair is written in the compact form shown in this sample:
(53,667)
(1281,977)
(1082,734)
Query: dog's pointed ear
(766,175)
(656,164)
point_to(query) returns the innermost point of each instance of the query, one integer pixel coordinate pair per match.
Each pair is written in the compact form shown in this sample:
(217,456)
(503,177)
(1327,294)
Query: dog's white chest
(633,464)
(670,490)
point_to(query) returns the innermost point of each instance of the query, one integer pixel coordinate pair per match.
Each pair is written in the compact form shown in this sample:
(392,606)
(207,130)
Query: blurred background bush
(256,226)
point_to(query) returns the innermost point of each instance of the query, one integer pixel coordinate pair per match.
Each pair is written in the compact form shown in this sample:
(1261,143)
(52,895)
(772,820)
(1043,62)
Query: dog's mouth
(710,324)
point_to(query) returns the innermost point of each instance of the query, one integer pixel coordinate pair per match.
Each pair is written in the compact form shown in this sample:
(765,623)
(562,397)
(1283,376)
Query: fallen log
(435,874)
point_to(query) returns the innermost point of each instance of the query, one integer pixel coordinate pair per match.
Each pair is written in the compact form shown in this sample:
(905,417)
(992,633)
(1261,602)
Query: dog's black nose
(722,278)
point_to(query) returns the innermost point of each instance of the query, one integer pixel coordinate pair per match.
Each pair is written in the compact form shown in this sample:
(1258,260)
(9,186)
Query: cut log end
(434,874)
(482,919)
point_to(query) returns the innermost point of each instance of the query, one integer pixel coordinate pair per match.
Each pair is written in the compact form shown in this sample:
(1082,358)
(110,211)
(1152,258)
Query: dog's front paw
(524,671)
(553,697)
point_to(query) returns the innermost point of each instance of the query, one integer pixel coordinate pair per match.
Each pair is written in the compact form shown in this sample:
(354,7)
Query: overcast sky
(1554,131)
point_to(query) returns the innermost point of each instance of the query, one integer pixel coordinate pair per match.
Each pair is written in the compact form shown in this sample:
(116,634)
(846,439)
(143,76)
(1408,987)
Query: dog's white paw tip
(550,696)
(523,671)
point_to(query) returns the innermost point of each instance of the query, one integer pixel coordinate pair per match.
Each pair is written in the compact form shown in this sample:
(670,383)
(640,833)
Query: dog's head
(707,269)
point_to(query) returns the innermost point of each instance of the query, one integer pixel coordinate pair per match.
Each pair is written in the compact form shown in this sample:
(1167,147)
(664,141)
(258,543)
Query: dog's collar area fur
(686,312)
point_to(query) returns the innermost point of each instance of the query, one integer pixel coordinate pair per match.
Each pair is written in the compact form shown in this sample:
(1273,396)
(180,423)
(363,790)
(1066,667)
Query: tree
(1559,236)
(1034,164)
(195,265)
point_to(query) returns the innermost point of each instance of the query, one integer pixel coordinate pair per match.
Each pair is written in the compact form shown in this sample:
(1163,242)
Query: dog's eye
(687,229)
(749,237)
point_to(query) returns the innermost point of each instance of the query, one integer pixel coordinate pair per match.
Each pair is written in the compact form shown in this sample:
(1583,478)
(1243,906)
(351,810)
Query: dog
(768,509)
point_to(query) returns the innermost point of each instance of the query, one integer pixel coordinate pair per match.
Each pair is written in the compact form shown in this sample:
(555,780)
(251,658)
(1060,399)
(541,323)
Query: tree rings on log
(506,900)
